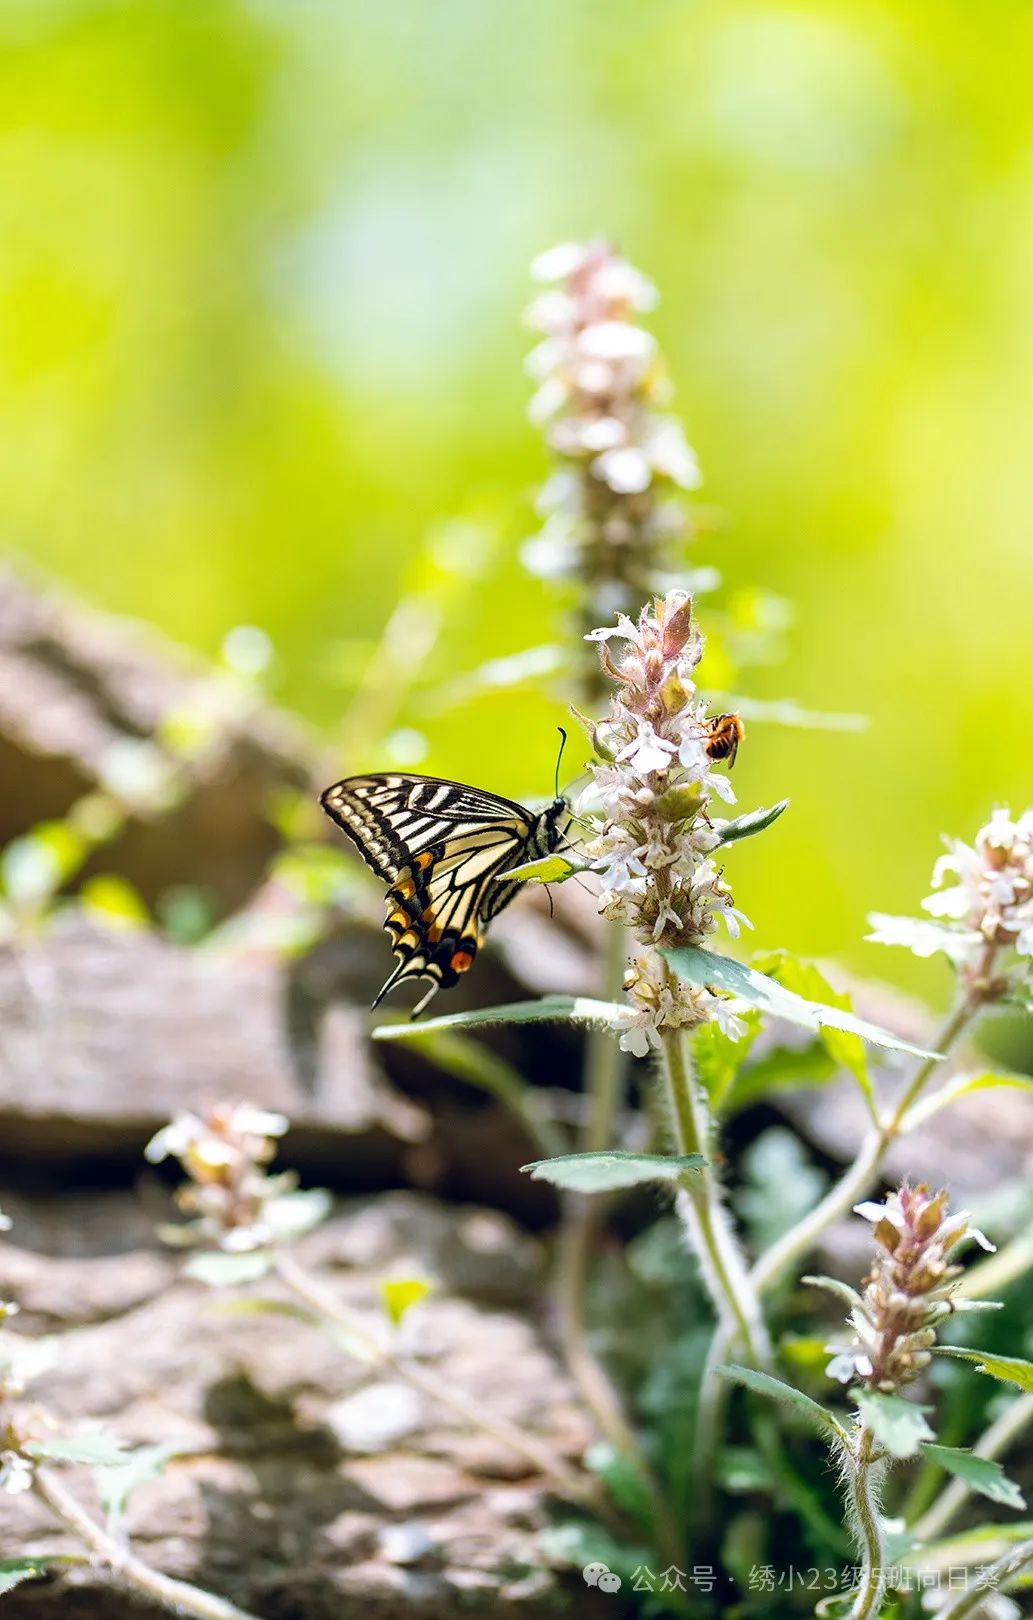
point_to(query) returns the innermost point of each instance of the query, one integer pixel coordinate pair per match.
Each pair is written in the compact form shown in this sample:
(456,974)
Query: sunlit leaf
(113,900)
(845,1048)
(780,1067)
(603,1172)
(755,821)
(775,1389)
(117,1481)
(96,1448)
(1009,1369)
(399,1294)
(960,1086)
(553,868)
(221,1270)
(717,1058)
(920,936)
(549,1009)
(707,968)
(981,1473)
(896,1423)
(293,1214)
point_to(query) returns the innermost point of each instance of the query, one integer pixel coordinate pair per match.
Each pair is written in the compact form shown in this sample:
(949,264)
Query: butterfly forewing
(439,846)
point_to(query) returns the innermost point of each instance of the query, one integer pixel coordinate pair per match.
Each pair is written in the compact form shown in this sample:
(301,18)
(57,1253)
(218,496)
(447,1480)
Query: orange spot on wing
(409,940)
(461,960)
(399,919)
(405,889)
(424,859)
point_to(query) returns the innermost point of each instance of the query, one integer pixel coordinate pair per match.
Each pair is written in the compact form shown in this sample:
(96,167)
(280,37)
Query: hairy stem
(124,1564)
(700,1207)
(322,1300)
(989,1580)
(861,1484)
(995,1440)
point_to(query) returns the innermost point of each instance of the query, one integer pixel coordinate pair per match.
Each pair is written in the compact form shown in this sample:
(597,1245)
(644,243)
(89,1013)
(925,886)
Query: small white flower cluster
(986,911)
(909,1290)
(225,1153)
(992,898)
(655,843)
(609,518)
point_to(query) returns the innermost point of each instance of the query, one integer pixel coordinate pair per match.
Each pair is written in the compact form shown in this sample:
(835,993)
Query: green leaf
(400,1294)
(549,1009)
(897,1424)
(97,1448)
(846,1049)
(113,900)
(755,821)
(775,1390)
(1009,1369)
(707,968)
(780,1067)
(960,1086)
(603,1172)
(116,1481)
(13,1571)
(221,1270)
(718,1058)
(981,1473)
(293,1214)
(553,868)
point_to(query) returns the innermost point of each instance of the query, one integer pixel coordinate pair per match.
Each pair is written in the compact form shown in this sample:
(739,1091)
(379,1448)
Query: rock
(87,700)
(278,1500)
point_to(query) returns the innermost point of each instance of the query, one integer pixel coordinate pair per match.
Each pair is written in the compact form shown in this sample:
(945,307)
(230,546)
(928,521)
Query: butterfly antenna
(559,758)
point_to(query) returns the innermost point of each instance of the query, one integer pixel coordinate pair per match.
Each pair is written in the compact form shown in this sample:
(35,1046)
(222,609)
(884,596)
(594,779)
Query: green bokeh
(261,272)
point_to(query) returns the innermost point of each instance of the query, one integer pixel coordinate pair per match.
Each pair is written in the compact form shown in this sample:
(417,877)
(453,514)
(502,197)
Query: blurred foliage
(260,281)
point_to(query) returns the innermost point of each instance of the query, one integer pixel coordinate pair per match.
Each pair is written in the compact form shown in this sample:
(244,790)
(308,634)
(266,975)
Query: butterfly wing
(439,846)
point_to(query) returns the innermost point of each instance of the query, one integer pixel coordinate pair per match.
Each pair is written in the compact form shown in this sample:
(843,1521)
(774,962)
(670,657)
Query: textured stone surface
(281,1502)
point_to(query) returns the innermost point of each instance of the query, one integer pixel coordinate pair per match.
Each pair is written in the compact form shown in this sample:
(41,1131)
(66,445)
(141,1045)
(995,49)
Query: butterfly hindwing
(439,846)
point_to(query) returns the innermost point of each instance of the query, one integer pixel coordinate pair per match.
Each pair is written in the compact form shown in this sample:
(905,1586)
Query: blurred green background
(261,273)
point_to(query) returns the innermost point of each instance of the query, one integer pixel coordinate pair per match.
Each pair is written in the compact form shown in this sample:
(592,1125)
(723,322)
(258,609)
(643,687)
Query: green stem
(991,1579)
(859,1177)
(126,1567)
(699,1204)
(862,1483)
(996,1439)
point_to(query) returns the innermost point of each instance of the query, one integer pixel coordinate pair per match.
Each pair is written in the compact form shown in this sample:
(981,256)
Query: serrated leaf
(553,868)
(774,1389)
(221,1270)
(708,968)
(400,1294)
(920,936)
(981,1473)
(1008,1369)
(897,1424)
(960,1087)
(755,821)
(98,1449)
(14,1571)
(548,1009)
(604,1172)
(717,1058)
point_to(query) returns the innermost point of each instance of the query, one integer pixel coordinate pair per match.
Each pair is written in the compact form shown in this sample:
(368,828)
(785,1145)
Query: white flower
(626,471)
(556,263)
(175,1139)
(15,1473)
(640,1040)
(617,340)
(647,752)
(5,1222)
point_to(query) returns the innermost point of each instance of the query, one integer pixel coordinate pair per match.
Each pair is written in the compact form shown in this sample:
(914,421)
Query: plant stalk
(989,1580)
(863,1502)
(320,1299)
(179,1596)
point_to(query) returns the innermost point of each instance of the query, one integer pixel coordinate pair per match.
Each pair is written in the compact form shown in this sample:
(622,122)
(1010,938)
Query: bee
(724,733)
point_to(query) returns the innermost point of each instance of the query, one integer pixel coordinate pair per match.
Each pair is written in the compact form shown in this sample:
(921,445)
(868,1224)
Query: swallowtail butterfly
(443,850)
